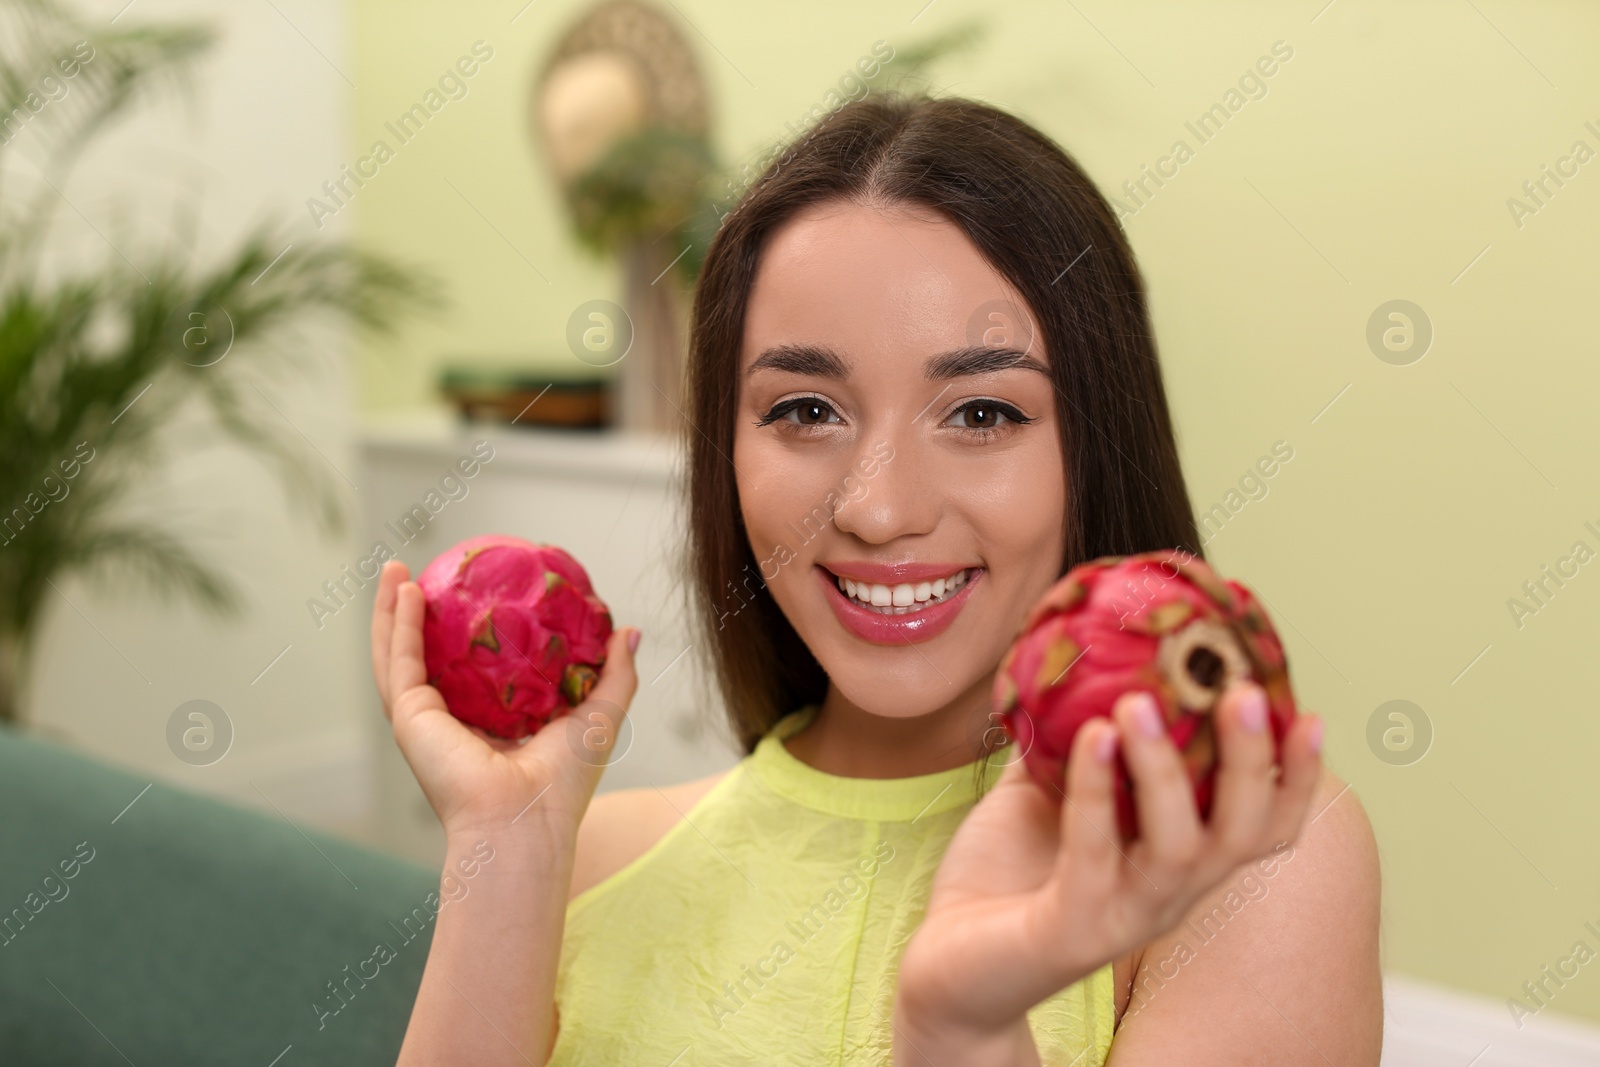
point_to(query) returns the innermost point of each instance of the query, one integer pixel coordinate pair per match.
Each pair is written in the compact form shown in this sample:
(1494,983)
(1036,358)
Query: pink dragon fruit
(1161,622)
(513,633)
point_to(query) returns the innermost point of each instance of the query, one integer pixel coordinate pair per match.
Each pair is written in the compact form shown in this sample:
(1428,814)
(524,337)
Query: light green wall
(1413,508)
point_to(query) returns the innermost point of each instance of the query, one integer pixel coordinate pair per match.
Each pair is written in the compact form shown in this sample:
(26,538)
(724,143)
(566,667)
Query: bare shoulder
(620,826)
(1279,964)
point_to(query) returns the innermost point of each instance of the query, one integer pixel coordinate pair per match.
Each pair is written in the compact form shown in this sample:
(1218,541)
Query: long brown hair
(1039,220)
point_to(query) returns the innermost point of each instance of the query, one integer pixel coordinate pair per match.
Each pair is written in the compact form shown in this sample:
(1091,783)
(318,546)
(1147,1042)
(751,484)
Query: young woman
(922,386)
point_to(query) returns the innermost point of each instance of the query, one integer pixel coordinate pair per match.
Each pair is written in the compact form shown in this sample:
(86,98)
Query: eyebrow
(820,361)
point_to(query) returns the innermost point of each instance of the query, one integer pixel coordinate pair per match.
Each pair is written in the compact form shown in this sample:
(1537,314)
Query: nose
(900,497)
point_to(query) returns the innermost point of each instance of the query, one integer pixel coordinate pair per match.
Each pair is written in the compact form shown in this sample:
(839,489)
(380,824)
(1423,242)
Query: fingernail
(1316,735)
(1107,744)
(1147,715)
(1253,709)
(633,641)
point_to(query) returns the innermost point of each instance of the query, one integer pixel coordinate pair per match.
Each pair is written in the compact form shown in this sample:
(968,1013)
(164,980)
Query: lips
(912,613)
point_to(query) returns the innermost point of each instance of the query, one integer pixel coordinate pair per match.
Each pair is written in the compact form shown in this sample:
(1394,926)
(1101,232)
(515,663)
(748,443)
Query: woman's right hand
(1034,891)
(475,781)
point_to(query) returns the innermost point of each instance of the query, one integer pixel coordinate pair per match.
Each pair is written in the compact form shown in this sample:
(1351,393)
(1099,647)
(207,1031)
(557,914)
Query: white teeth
(906,597)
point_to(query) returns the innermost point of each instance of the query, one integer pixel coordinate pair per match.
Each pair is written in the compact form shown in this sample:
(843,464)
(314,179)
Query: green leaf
(104,362)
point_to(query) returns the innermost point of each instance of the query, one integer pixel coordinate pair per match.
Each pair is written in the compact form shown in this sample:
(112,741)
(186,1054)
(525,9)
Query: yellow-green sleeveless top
(766,927)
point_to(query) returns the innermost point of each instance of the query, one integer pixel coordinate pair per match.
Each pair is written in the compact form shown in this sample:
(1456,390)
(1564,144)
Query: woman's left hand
(1035,893)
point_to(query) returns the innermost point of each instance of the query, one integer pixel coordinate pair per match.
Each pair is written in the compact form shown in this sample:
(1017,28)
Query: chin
(908,688)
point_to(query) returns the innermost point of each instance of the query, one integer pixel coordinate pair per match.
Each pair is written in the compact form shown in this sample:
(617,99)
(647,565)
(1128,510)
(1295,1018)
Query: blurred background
(272,267)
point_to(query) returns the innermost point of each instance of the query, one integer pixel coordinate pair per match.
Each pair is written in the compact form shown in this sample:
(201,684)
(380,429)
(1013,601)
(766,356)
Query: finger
(1169,822)
(1302,770)
(618,678)
(407,669)
(1090,847)
(1013,772)
(1244,783)
(1036,809)
(1009,843)
(595,724)
(389,579)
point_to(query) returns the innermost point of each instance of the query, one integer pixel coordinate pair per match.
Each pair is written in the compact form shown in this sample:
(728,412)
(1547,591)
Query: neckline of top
(874,799)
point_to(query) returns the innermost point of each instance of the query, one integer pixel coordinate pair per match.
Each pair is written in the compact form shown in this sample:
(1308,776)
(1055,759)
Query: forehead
(872,280)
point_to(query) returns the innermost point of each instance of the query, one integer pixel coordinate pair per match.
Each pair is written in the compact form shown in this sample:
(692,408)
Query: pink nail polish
(1316,736)
(1147,715)
(1253,710)
(633,641)
(1106,746)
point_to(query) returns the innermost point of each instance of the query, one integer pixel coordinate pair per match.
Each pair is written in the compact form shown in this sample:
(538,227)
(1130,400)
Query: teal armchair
(146,925)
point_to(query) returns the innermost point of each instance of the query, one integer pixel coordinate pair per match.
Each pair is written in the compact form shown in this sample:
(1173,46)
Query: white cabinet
(613,501)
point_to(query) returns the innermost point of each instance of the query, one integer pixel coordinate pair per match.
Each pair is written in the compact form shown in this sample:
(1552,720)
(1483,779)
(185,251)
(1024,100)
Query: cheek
(753,475)
(1018,508)
(780,491)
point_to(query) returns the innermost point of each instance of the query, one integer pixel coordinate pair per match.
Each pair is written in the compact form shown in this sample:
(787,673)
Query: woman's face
(897,455)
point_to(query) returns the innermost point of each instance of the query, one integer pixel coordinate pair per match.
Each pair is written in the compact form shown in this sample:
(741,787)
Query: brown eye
(985,415)
(1200,661)
(801,411)
(811,412)
(982,418)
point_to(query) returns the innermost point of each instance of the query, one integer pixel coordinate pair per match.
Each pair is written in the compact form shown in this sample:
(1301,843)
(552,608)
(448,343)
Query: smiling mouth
(906,598)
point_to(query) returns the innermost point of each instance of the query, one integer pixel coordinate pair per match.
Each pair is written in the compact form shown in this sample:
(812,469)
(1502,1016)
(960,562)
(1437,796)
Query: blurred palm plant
(95,365)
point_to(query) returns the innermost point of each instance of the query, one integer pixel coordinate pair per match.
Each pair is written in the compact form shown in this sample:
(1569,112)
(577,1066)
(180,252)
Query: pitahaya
(513,633)
(1161,622)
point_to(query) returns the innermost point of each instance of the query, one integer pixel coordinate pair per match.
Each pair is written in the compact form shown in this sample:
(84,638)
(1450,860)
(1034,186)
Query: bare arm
(489,985)
(1278,965)
(511,813)
(506,914)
